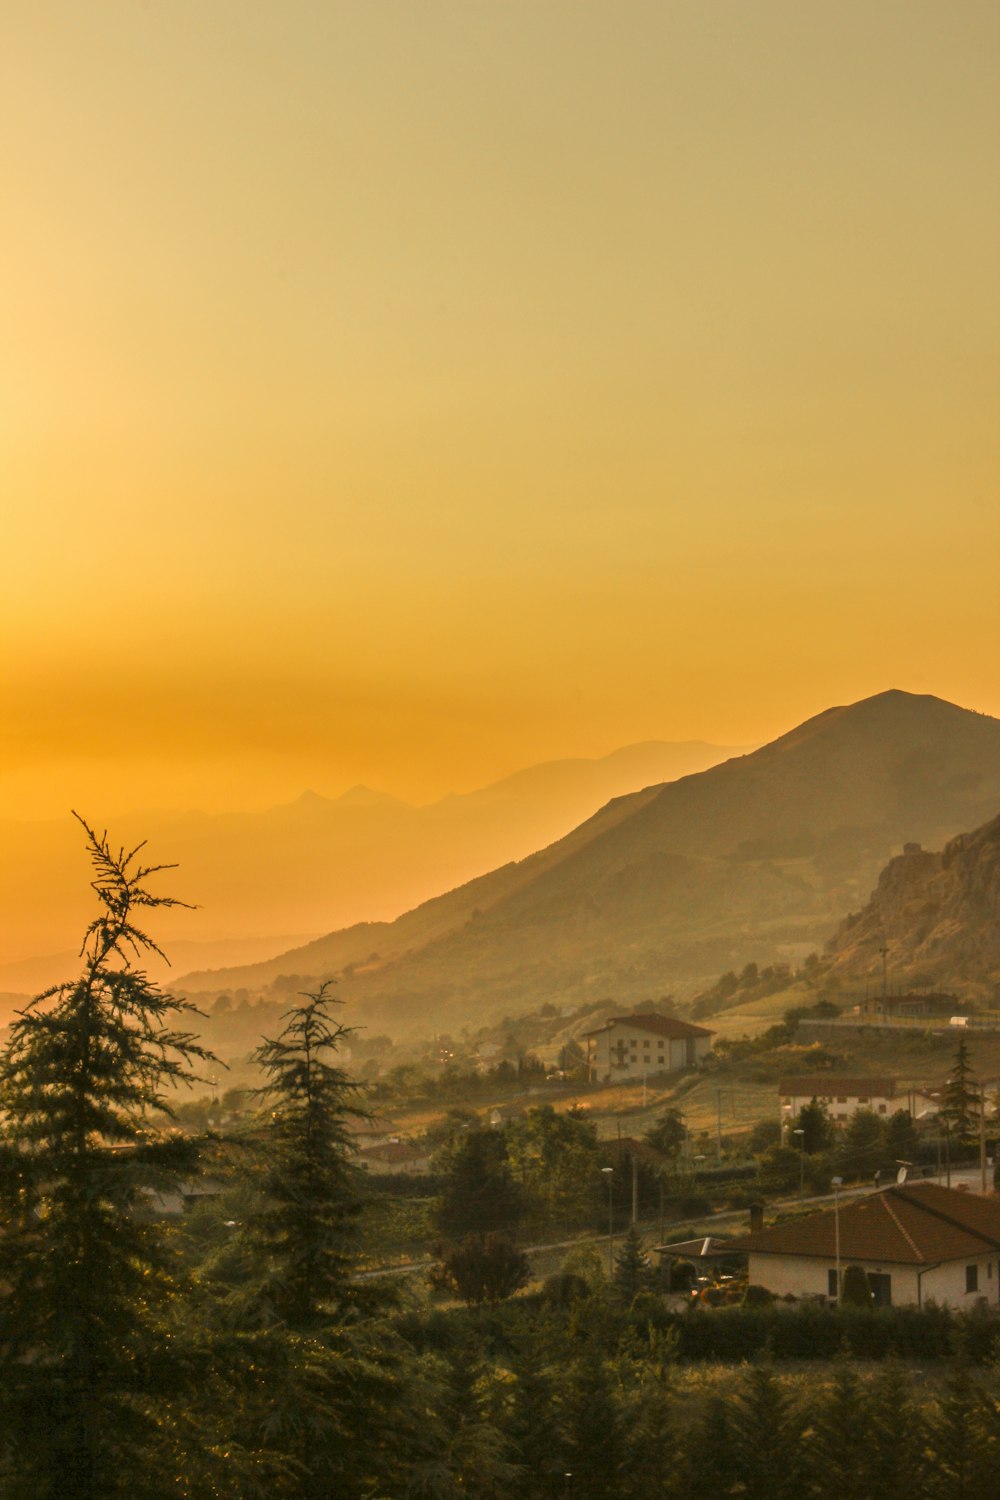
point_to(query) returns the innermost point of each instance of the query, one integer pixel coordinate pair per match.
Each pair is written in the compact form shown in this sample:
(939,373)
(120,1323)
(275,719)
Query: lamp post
(802,1160)
(609,1173)
(836,1183)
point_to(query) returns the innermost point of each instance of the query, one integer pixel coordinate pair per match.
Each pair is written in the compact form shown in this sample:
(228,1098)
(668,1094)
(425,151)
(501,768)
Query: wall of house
(810,1277)
(650,1054)
(807,1277)
(843,1107)
(946,1284)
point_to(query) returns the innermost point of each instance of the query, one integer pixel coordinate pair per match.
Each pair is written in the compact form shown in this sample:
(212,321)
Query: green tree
(901,1140)
(632,1270)
(766,1433)
(863,1145)
(478,1193)
(88,1358)
(668,1134)
(301,1235)
(814,1122)
(483,1268)
(779,1169)
(960,1099)
(555,1157)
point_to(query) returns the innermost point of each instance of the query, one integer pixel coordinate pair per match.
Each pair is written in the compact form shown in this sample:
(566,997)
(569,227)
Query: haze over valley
(757,858)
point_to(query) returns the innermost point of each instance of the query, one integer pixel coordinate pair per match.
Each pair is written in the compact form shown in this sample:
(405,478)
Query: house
(841,1097)
(400,1157)
(917,1242)
(641,1046)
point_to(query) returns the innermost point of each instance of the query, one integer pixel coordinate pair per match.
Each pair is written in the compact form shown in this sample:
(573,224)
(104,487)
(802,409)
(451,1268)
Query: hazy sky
(407,392)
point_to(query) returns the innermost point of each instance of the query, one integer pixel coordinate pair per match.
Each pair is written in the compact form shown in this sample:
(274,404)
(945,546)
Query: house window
(972,1278)
(831,1284)
(841,1098)
(863,1099)
(989,1270)
(645,1044)
(881,1109)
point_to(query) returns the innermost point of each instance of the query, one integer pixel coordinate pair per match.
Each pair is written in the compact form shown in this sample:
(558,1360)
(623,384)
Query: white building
(917,1243)
(843,1097)
(642,1046)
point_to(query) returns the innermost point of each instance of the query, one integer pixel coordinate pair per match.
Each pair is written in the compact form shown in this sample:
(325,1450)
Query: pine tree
(301,1237)
(841,1439)
(766,1433)
(632,1270)
(86,1365)
(960,1105)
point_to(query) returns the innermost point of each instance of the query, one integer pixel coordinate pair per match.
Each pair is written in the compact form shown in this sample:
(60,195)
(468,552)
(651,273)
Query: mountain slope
(938,916)
(752,859)
(313,864)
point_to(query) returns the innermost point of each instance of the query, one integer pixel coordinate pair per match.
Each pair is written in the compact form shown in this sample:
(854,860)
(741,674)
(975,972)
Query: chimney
(756,1217)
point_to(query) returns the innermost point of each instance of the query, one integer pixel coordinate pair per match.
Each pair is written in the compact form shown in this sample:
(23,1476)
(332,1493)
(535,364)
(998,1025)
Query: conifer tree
(302,1235)
(632,1270)
(87,1282)
(960,1105)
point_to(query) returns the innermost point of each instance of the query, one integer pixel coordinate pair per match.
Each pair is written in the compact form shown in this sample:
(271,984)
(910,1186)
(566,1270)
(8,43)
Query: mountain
(661,889)
(937,915)
(308,866)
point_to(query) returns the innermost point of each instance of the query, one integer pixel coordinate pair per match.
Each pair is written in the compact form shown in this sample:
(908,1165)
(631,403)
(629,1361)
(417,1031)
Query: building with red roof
(918,1242)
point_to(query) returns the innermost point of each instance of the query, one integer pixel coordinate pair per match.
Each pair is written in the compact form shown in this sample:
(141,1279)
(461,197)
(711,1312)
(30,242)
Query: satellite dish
(901,1176)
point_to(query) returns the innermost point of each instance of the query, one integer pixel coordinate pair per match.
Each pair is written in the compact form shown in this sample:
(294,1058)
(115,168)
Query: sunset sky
(403,393)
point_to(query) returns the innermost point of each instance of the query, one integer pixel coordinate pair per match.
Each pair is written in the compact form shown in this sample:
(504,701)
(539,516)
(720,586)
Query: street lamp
(609,1173)
(802,1160)
(837,1183)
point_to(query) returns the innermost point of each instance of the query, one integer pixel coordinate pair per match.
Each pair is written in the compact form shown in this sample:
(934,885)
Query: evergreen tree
(896,1458)
(87,1357)
(863,1145)
(964,1438)
(591,1427)
(901,1140)
(766,1433)
(632,1271)
(710,1464)
(840,1448)
(302,1236)
(814,1122)
(668,1134)
(960,1102)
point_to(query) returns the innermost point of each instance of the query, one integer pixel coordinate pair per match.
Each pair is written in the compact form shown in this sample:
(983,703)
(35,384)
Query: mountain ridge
(668,885)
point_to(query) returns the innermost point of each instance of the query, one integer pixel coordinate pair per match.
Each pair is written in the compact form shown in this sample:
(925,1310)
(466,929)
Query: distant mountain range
(937,914)
(752,859)
(264,882)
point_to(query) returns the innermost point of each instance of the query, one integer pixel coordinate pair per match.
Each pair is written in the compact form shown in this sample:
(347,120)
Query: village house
(642,1046)
(918,1243)
(843,1097)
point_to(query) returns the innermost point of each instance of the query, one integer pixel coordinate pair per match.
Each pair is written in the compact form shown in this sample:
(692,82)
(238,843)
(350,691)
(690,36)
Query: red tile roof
(826,1085)
(918,1224)
(661,1025)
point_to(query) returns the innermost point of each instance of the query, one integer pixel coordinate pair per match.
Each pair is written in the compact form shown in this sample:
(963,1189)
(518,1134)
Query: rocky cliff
(938,915)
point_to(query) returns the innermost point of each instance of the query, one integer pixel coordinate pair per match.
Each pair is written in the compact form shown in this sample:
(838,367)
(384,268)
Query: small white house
(917,1243)
(642,1046)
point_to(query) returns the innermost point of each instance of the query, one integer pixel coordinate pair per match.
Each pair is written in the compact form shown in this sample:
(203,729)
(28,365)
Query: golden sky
(408,392)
